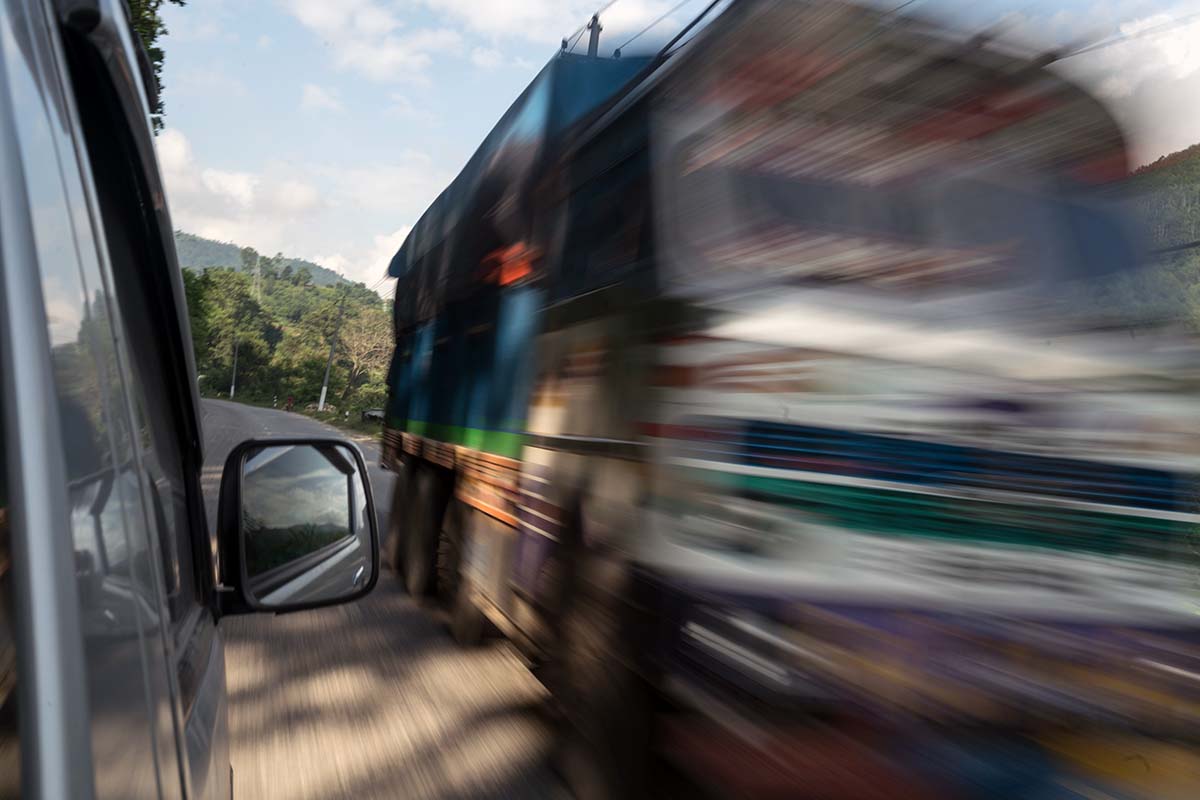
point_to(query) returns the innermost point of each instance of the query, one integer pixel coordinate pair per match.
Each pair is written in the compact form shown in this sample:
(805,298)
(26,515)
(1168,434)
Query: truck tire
(605,748)
(449,553)
(430,494)
(399,519)
(466,621)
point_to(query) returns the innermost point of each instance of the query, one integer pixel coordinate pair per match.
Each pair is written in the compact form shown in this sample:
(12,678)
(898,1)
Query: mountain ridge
(198,253)
(1170,165)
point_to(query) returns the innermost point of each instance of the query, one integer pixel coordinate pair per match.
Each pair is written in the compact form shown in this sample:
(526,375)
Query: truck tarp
(487,204)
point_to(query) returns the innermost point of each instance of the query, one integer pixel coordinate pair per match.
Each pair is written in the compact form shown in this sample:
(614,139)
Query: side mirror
(297,526)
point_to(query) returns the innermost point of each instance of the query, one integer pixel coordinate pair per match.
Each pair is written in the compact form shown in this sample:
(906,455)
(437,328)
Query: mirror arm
(228,600)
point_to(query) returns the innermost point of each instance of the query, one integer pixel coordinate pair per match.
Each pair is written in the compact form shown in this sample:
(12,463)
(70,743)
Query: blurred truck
(799,402)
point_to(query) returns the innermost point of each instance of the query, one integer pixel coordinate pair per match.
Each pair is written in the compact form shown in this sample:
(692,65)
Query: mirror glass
(306,527)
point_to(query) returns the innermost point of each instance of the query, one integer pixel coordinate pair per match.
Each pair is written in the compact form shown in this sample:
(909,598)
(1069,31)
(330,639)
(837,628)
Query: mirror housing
(296,526)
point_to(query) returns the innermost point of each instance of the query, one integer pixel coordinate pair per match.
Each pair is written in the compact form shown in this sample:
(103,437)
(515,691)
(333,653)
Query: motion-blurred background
(805,391)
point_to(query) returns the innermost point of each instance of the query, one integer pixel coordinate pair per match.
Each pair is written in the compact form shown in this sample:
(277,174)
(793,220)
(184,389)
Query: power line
(1112,40)
(661,17)
(901,7)
(663,54)
(578,33)
(1175,248)
(578,36)
(665,51)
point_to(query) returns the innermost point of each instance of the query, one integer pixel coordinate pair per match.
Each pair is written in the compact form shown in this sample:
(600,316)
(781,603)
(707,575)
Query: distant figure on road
(291,401)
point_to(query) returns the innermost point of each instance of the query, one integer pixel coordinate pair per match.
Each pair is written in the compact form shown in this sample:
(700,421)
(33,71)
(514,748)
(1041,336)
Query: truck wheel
(399,520)
(453,589)
(420,554)
(449,552)
(467,623)
(605,750)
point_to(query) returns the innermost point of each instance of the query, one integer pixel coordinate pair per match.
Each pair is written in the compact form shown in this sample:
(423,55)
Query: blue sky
(323,128)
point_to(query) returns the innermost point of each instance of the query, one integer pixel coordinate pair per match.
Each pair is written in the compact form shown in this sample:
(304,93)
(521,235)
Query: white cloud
(291,196)
(202,31)
(547,21)
(1145,67)
(367,37)
(336,262)
(386,246)
(370,36)
(1117,86)
(207,30)
(398,190)
(237,187)
(264,42)
(486,57)
(174,151)
(1147,71)
(367,264)
(402,106)
(263,210)
(211,81)
(315,98)
(1159,47)
(313,211)
(64,310)
(402,187)
(382,249)
(403,58)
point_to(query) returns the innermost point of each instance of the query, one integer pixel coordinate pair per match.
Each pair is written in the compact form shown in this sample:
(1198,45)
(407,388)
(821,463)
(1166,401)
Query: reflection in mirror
(306,532)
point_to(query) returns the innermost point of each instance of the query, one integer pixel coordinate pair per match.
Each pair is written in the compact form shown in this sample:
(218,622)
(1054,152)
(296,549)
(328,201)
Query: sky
(324,128)
(286,487)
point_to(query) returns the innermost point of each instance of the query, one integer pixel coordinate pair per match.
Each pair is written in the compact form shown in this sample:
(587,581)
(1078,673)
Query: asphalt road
(371,699)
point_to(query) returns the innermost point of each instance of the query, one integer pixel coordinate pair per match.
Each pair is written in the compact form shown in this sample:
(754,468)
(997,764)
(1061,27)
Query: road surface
(371,699)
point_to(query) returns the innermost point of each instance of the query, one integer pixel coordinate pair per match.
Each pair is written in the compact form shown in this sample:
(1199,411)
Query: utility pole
(258,278)
(332,346)
(233,380)
(594,39)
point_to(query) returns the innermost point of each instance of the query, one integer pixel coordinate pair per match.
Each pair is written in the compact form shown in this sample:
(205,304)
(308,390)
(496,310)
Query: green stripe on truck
(898,513)
(500,443)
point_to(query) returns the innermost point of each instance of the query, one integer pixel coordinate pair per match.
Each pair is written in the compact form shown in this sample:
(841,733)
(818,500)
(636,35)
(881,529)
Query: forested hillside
(280,322)
(198,253)
(1169,189)
(1166,199)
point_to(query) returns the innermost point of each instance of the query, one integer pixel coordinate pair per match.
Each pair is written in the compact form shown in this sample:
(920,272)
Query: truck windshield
(895,206)
(943,233)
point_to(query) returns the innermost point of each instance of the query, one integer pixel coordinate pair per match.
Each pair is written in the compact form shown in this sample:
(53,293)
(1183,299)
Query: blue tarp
(493,188)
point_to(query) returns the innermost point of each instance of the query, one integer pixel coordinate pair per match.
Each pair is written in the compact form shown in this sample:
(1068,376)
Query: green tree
(195,287)
(144,17)
(366,348)
(283,331)
(237,323)
(302,277)
(249,259)
(270,269)
(307,332)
